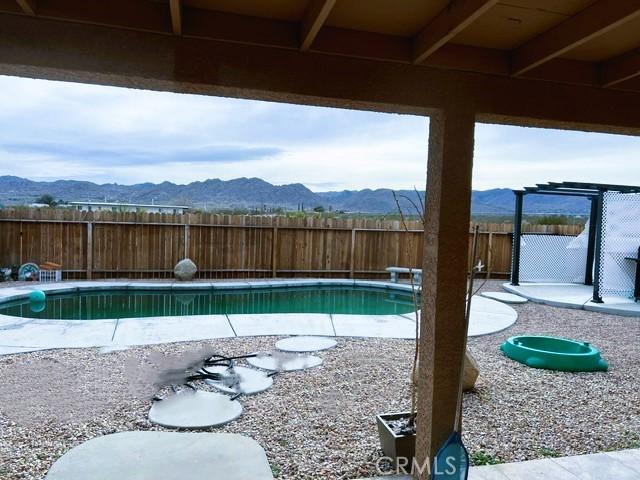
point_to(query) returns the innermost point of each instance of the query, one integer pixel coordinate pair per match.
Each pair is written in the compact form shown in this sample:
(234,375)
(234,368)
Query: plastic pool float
(554,353)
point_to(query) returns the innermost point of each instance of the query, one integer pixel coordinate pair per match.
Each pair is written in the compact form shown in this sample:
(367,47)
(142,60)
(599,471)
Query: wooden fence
(143,245)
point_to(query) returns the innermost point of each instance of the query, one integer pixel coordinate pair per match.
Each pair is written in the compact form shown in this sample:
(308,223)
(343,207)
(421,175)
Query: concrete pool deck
(19,334)
(616,465)
(572,295)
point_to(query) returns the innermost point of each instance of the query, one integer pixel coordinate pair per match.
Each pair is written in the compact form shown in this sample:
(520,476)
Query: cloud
(515,157)
(52,130)
(117,155)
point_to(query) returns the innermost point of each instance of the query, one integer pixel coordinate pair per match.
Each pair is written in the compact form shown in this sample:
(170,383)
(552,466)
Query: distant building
(127,207)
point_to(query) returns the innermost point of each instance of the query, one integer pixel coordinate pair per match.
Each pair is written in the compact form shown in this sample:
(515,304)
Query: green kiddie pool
(554,353)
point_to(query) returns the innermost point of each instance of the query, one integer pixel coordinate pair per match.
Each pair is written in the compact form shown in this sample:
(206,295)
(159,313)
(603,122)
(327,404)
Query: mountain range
(252,193)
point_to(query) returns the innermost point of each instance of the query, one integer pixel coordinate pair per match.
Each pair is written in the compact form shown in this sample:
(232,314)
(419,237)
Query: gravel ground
(320,423)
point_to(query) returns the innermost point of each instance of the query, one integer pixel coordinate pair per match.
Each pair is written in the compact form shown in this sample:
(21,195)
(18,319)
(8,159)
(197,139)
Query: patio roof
(585,42)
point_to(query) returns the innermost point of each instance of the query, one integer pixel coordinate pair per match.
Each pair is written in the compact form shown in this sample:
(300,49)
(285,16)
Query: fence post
(489,254)
(186,241)
(274,253)
(352,260)
(89,250)
(21,235)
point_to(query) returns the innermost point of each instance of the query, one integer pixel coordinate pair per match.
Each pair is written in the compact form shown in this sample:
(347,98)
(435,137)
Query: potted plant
(397,430)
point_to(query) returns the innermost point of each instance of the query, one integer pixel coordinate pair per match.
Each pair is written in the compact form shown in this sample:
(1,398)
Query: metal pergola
(592,191)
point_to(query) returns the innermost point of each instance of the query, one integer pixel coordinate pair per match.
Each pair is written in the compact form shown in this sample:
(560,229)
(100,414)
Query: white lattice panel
(620,239)
(552,258)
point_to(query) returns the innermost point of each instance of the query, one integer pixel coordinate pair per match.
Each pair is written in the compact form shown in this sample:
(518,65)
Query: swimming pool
(136,303)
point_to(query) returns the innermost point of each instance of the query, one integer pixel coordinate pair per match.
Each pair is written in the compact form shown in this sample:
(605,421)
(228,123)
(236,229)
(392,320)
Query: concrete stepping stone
(242,380)
(489,316)
(195,409)
(504,297)
(305,344)
(165,455)
(284,362)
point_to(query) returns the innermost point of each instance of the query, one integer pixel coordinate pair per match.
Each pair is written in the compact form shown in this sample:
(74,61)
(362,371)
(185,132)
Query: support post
(593,219)
(444,281)
(597,298)
(89,250)
(517,234)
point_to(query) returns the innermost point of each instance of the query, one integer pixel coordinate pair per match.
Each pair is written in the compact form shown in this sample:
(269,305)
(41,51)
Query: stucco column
(446,239)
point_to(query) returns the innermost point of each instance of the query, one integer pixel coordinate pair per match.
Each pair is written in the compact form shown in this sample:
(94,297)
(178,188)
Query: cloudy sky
(55,130)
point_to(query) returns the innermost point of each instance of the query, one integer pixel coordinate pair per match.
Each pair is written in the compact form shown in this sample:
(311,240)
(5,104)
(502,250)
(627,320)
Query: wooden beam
(40,48)
(227,27)
(458,15)
(27,6)
(230,27)
(175,7)
(564,70)
(314,17)
(143,16)
(620,69)
(595,20)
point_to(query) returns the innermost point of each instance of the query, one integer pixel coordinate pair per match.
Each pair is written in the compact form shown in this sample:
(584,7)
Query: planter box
(393,445)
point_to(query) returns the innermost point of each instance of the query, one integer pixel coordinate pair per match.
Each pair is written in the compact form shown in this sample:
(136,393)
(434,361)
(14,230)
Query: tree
(47,200)
(318,209)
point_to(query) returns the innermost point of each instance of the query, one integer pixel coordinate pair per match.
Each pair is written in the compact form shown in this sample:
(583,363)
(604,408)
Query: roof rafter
(577,188)
(27,6)
(619,69)
(175,7)
(595,20)
(458,15)
(314,17)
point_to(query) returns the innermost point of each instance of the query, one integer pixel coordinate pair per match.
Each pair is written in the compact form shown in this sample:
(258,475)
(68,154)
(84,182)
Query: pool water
(156,303)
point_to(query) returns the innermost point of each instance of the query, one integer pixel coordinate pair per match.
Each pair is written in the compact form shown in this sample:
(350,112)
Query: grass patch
(548,452)
(629,440)
(275,470)
(480,457)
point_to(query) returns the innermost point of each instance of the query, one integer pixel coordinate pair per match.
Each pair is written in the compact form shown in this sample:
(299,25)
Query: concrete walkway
(621,465)
(572,295)
(27,334)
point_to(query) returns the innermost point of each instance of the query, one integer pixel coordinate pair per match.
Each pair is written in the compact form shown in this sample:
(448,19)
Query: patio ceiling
(587,42)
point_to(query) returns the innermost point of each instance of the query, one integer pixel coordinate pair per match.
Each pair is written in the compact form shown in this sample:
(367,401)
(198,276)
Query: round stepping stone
(165,455)
(305,344)
(282,362)
(242,380)
(194,409)
(489,316)
(504,297)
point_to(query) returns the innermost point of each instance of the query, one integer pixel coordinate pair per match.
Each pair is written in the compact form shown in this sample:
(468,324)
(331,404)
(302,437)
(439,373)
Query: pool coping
(18,334)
